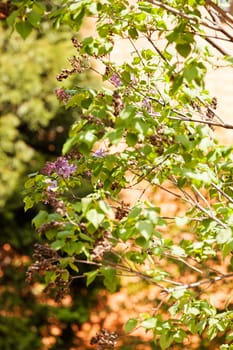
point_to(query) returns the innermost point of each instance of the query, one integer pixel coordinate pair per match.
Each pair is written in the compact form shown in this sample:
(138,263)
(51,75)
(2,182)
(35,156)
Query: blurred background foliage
(33,128)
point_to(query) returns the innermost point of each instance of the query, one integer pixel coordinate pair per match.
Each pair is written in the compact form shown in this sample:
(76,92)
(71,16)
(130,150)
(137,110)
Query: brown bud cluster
(50,225)
(196,106)
(122,211)
(102,246)
(213,105)
(48,260)
(104,340)
(92,120)
(117,103)
(58,205)
(77,44)
(159,140)
(74,154)
(115,185)
(79,65)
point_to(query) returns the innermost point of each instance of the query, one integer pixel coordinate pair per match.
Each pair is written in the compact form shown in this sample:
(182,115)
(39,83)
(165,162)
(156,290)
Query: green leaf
(88,137)
(227,248)
(70,142)
(131,139)
(146,228)
(191,72)
(74,267)
(183,49)
(165,340)
(177,250)
(91,276)
(40,218)
(128,112)
(229,337)
(50,276)
(110,279)
(28,203)
(135,212)
(149,323)
(181,221)
(224,347)
(57,245)
(95,217)
(65,234)
(133,33)
(34,18)
(115,136)
(86,237)
(23,28)
(130,325)
(11,19)
(224,235)
(29,183)
(73,248)
(105,208)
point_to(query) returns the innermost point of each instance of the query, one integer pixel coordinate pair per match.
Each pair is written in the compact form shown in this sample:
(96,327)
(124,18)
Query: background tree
(33,128)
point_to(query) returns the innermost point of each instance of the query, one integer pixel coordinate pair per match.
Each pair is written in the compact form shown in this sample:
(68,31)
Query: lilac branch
(210,280)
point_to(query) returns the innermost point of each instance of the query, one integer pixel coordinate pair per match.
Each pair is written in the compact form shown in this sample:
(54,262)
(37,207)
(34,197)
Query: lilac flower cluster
(61,167)
(99,153)
(115,80)
(62,95)
(146,103)
(52,185)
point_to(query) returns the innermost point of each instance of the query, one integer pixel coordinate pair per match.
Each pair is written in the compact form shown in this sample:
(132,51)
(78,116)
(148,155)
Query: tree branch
(222,192)
(200,283)
(208,122)
(183,15)
(223,14)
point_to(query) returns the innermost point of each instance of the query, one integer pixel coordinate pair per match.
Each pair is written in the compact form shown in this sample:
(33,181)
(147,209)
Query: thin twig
(188,218)
(148,37)
(199,283)
(222,192)
(204,210)
(208,122)
(143,177)
(199,194)
(210,215)
(217,47)
(178,258)
(136,50)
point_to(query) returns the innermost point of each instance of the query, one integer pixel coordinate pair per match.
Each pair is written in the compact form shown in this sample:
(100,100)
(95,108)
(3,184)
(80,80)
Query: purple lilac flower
(61,167)
(99,153)
(52,185)
(62,95)
(146,103)
(115,80)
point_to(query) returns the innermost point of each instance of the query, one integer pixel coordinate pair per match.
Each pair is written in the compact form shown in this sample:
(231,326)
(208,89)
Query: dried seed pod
(122,211)
(65,73)
(117,103)
(49,260)
(104,339)
(102,246)
(77,44)
(50,225)
(214,103)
